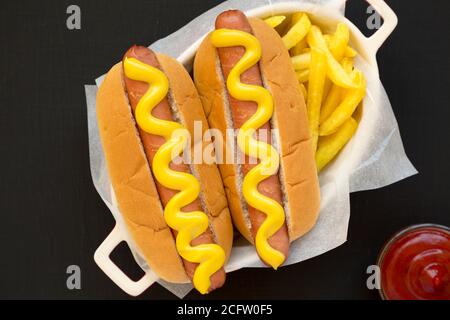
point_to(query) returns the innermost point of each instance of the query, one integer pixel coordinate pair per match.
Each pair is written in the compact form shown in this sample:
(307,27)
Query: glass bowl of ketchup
(415,264)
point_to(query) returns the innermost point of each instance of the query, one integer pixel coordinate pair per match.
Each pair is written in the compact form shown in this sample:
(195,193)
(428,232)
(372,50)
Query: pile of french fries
(333,88)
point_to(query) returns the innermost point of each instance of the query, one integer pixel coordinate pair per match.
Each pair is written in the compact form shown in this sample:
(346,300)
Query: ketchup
(415,264)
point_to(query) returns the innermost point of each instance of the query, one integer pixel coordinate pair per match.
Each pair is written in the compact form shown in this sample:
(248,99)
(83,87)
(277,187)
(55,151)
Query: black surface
(51,215)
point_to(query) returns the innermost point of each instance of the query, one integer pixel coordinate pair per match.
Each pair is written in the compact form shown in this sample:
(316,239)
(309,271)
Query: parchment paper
(374,158)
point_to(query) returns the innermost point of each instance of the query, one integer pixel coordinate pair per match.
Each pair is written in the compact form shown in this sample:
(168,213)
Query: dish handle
(102,258)
(390,21)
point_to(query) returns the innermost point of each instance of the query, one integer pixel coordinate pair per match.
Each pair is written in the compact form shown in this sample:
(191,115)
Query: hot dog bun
(132,179)
(298,174)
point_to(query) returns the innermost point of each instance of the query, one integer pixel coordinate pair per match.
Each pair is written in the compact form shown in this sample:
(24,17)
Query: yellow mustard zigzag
(268,156)
(189,225)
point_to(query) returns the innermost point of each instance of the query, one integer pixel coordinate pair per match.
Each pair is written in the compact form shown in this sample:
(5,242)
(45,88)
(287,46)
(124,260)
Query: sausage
(241,111)
(151,143)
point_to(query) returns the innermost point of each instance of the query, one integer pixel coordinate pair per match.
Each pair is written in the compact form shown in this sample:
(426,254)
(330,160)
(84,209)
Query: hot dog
(133,152)
(241,111)
(293,185)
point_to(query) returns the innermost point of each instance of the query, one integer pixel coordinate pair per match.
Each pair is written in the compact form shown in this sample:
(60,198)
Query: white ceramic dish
(367,47)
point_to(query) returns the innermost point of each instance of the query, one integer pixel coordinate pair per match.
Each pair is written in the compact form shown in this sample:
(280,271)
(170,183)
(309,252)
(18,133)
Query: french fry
(302,76)
(297,49)
(350,52)
(331,102)
(328,83)
(341,36)
(303,90)
(335,71)
(337,74)
(315,92)
(347,64)
(344,111)
(275,21)
(306,50)
(339,41)
(301,61)
(335,94)
(329,146)
(326,88)
(296,16)
(297,32)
